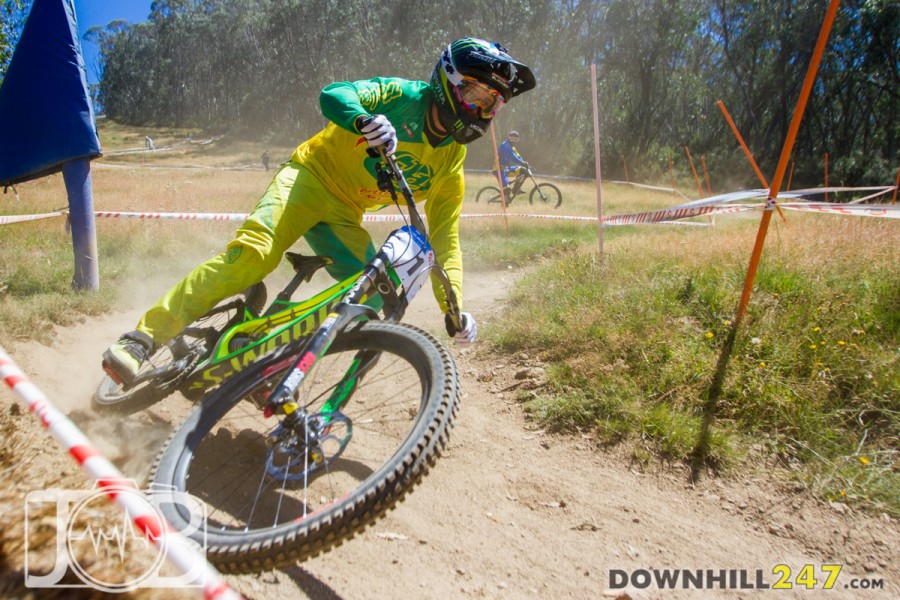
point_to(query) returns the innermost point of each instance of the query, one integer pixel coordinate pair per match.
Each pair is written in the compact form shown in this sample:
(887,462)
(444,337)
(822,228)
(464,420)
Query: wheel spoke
(265,479)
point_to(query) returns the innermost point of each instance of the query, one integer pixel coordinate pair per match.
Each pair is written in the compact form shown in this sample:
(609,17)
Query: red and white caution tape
(697,208)
(675,213)
(212,216)
(528,216)
(7,220)
(857,210)
(175,216)
(177,549)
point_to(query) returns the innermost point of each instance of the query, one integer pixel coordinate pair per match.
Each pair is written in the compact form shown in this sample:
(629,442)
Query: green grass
(813,378)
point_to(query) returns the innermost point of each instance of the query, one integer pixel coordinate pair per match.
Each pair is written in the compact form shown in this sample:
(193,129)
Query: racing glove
(468,332)
(378,131)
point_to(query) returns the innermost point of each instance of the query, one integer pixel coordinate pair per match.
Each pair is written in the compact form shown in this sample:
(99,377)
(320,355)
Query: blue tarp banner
(46,117)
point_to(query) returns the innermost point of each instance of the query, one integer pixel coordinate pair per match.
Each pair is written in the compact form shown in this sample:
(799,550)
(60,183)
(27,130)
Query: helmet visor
(479,100)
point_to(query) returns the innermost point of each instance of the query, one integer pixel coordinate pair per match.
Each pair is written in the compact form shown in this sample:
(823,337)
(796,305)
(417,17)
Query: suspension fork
(349,309)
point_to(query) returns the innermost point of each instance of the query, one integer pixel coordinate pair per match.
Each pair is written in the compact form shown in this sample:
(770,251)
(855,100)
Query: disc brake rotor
(297,454)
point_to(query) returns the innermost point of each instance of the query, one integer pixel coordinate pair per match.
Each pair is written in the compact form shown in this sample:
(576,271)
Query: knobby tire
(546,193)
(398,416)
(488,194)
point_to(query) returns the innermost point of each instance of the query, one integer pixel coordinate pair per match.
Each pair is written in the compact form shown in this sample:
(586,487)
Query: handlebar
(386,179)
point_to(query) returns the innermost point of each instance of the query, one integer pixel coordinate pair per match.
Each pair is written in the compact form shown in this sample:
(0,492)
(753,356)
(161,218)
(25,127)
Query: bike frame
(523,174)
(322,316)
(379,276)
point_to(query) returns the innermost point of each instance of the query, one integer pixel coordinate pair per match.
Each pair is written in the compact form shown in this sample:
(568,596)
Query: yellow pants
(295,204)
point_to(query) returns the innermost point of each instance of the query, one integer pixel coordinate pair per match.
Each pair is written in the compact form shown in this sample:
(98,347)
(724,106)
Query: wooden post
(625,165)
(499,178)
(896,186)
(597,157)
(672,175)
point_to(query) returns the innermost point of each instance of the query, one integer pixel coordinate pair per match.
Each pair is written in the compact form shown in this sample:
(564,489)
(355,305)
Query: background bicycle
(541,193)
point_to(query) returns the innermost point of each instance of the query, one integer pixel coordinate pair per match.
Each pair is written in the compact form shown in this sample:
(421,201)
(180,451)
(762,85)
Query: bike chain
(174,383)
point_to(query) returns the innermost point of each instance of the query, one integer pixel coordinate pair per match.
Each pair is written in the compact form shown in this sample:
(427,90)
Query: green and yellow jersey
(337,157)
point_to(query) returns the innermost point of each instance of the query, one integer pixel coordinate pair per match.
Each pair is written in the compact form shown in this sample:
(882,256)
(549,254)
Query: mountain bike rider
(510,160)
(322,192)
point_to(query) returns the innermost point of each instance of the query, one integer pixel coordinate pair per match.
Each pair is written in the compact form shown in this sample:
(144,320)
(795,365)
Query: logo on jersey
(418,175)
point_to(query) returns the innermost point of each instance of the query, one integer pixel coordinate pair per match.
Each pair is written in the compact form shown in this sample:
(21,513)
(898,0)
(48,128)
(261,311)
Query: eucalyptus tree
(13,14)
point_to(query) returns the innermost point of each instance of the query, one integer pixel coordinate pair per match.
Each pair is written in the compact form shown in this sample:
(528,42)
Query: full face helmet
(472,80)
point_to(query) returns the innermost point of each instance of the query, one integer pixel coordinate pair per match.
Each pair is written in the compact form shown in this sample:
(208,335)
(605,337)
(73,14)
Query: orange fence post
(625,165)
(749,155)
(743,144)
(826,177)
(783,161)
(694,171)
(790,177)
(499,179)
(705,175)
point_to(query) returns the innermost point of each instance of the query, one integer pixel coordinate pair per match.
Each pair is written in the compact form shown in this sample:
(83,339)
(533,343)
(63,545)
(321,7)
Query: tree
(13,14)
(259,65)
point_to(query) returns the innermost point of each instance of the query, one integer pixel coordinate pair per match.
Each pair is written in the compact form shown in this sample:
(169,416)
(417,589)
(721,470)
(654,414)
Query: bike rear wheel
(546,193)
(272,499)
(164,370)
(488,194)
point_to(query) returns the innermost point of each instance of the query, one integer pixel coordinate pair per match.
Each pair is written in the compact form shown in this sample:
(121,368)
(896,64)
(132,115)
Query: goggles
(478,99)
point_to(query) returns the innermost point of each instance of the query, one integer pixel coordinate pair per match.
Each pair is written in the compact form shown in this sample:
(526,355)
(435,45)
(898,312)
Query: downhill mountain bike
(240,329)
(541,193)
(312,441)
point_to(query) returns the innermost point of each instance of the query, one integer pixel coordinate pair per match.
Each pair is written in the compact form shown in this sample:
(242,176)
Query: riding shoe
(123,360)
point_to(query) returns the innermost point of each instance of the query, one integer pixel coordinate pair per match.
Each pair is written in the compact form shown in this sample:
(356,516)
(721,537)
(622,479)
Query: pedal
(112,374)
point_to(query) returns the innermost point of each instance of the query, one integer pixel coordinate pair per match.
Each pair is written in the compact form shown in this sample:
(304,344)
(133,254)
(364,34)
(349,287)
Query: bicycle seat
(307,265)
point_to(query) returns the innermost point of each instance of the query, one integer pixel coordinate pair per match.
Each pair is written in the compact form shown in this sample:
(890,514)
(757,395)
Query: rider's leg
(343,238)
(294,202)
(504,177)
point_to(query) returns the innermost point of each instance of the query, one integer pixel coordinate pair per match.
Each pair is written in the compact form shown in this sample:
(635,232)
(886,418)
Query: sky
(100,12)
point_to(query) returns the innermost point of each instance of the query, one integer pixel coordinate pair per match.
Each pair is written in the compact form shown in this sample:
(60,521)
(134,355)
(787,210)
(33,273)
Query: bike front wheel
(376,409)
(546,193)
(488,194)
(164,370)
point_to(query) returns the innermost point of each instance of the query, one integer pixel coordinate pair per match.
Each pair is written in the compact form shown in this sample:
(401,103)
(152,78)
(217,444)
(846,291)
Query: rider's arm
(443,208)
(344,102)
(509,156)
(517,158)
(506,154)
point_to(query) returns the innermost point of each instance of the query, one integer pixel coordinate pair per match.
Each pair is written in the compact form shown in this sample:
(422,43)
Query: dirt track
(508,512)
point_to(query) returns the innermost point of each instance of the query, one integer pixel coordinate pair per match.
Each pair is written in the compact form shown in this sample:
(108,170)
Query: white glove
(378,131)
(468,332)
